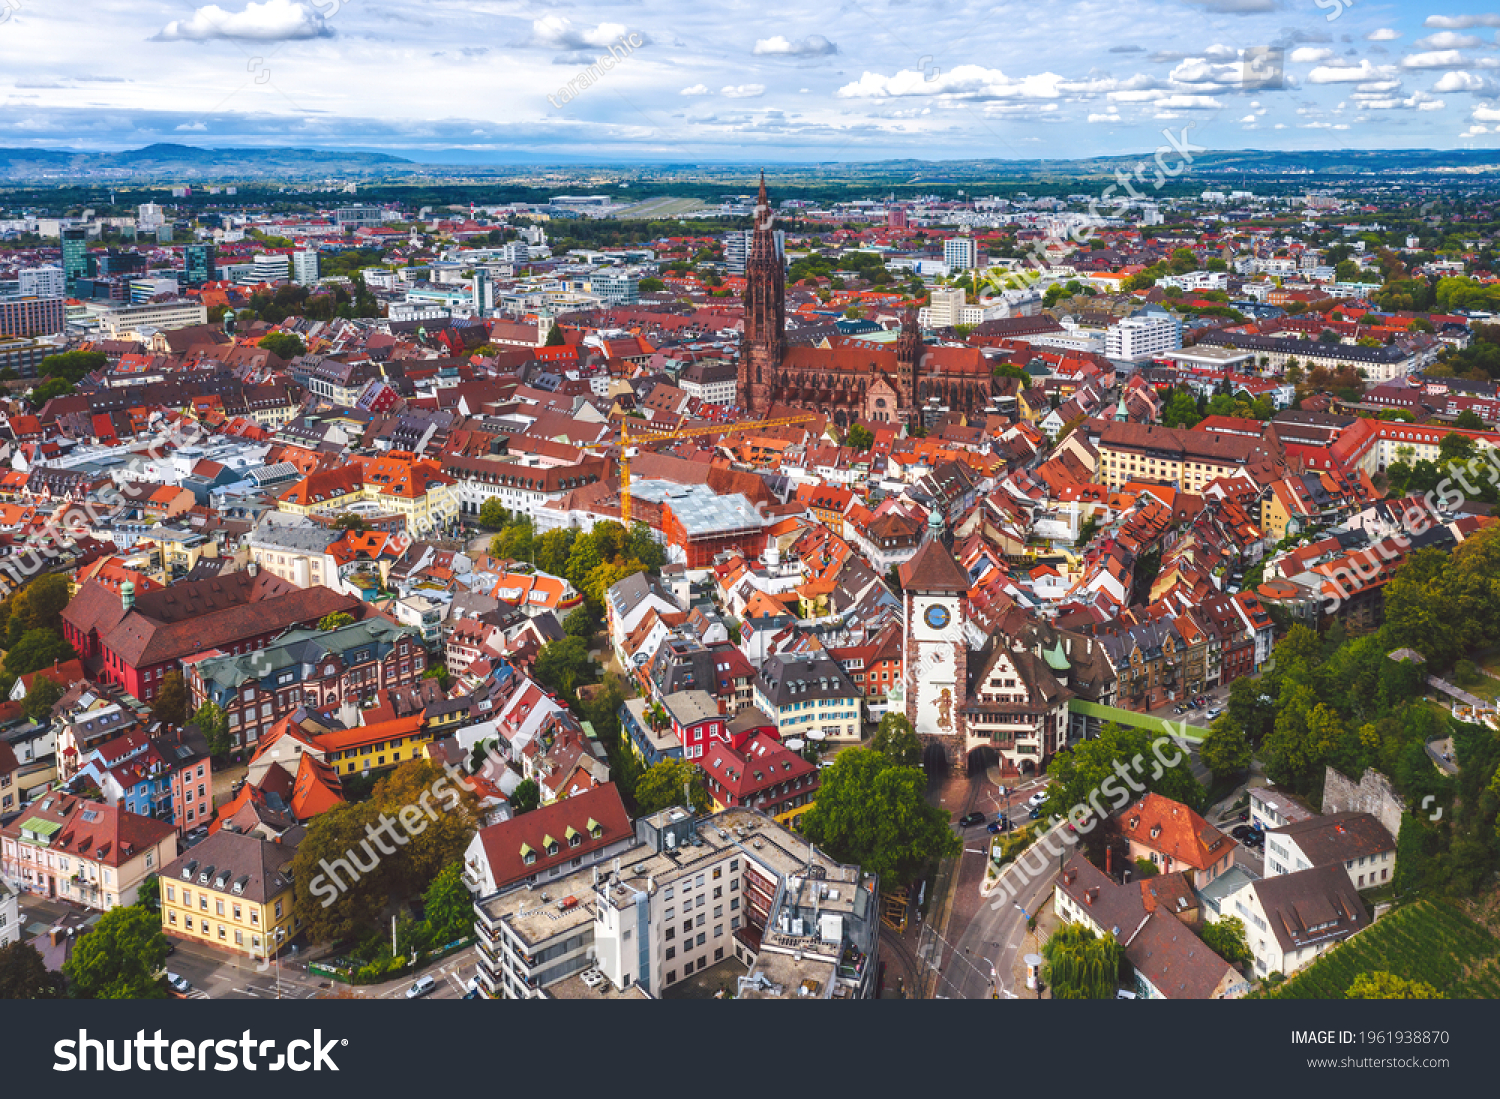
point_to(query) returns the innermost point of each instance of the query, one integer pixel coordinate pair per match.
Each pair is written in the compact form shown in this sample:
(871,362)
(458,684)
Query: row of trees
(592,561)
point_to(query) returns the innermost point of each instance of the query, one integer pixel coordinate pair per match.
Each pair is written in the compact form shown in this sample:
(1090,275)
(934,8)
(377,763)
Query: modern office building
(42,282)
(305,267)
(198,264)
(75,245)
(615,288)
(25,317)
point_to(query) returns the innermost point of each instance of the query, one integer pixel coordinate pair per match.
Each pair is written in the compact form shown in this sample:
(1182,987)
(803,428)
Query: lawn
(1424,941)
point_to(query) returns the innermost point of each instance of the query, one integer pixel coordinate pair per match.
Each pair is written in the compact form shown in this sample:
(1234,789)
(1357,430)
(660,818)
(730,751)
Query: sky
(701,81)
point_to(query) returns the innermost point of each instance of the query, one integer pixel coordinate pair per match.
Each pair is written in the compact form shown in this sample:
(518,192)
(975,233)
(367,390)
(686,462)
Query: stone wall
(1372,794)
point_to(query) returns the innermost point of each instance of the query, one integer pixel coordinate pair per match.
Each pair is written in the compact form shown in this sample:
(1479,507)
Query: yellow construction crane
(627,440)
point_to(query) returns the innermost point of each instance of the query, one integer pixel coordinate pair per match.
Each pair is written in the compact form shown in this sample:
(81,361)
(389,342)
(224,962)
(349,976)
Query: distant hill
(190,164)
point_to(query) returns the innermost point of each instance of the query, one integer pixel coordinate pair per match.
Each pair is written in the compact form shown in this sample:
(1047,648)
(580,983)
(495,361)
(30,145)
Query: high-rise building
(198,261)
(945,310)
(32,317)
(149,217)
(305,267)
(736,250)
(269,267)
(484,293)
(960,253)
(895,217)
(75,254)
(41,282)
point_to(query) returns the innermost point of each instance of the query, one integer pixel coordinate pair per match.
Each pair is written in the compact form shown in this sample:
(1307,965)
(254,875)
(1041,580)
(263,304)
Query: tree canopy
(1081,965)
(1380,985)
(898,741)
(119,958)
(666,783)
(25,976)
(1120,765)
(874,812)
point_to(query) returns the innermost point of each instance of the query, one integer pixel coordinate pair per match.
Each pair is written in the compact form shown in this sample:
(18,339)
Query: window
(171,894)
(203,901)
(702,936)
(671,975)
(239,938)
(718,872)
(734,903)
(671,933)
(718,911)
(219,908)
(718,931)
(172,918)
(687,927)
(671,953)
(718,891)
(237,913)
(734,922)
(700,919)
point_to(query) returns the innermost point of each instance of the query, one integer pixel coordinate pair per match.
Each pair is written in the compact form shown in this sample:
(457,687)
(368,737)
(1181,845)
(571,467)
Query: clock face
(937,617)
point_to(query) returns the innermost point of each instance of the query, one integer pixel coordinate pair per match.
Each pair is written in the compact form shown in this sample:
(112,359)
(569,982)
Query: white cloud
(1433,59)
(1466,82)
(1236,7)
(555,32)
(696,89)
(1486,114)
(1383,34)
(1346,74)
(192,126)
(962,82)
(1196,70)
(1379,86)
(272,21)
(1447,40)
(1310,54)
(1249,117)
(814,45)
(743,91)
(1112,117)
(1461,22)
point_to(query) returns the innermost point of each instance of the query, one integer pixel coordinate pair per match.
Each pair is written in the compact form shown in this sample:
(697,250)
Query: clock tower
(935,656)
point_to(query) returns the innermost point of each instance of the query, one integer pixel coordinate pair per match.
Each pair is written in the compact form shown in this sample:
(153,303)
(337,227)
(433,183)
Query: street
(218,974)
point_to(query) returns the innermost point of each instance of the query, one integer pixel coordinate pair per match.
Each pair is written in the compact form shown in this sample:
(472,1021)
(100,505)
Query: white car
(179,984)
(1035,800)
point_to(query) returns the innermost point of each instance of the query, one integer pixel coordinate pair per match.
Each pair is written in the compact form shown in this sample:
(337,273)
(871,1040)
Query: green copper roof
(1057,658)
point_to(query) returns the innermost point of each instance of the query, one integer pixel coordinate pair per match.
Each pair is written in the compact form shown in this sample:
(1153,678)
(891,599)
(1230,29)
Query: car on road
(1179,710)
(995,827)
(968,820)
(178,984)
(473,994)
(422,986)
(1033,813)
(1036,800)
(1215,711)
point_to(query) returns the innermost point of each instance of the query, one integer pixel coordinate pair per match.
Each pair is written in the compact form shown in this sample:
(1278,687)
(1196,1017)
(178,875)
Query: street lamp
(280,934)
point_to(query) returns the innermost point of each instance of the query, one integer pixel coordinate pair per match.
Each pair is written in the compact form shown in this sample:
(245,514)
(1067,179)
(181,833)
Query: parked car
(1035,800)
(178,984)
(1033,813)
(421,987)
(968,820)
(995,827)
(473,994)
(1215,711)
(1241,832)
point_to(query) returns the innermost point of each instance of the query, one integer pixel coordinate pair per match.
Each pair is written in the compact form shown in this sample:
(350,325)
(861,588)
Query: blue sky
(731,80)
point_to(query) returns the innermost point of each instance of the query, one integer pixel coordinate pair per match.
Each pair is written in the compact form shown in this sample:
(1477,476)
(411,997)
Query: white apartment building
(689,893)
(1356,841)
(1197,280)
(305,267)
(1137,338)
(945,309)
(960,253)
(1292,918)
(270,267)
(41,282)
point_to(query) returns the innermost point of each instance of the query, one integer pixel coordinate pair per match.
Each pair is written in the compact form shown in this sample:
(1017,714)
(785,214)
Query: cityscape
(782,514)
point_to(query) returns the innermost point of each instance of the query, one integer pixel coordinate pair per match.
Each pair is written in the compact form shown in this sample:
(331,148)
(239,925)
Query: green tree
(525,797)
(667,783)
(555,337)
(1225,750)
(331,898)
(1251,708)
(148,895)
(448,906)
(285,345)
(1454,445)
(562,666)
(213,723)
(898,741)
(72,366)
(492,514)
(39,605)
(1226,938)
(449,819)
(171,702)
(581,623)
(119,958)
(1380,985)
(1145,868)
(40,699)
(335,620)
(1080,965)
(25,976)
(37,649)
(875,813)
(859,437)
(349,521)
(1096,777)
(1469,420)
